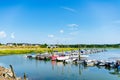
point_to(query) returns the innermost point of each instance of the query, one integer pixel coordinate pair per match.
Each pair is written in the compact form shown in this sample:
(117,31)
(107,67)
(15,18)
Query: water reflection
(63,68)
(52,70)
(82,67)
(72,71)
(115,72)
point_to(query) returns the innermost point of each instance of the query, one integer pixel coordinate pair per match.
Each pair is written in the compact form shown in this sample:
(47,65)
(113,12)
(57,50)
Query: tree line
(69,45)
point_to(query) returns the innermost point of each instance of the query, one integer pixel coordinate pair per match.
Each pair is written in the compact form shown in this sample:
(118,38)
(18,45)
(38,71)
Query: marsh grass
(7,50)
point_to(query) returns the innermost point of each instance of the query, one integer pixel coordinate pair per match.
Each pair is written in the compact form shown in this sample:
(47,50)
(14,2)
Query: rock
(6,74)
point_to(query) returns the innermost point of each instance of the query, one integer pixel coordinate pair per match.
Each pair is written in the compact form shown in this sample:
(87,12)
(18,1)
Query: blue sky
(60,21)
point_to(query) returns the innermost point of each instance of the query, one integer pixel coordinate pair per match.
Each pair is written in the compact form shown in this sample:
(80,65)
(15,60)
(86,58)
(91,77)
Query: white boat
(62,58)
(84,56)
(31,56)
(89,62)
(76,55)
(70,60)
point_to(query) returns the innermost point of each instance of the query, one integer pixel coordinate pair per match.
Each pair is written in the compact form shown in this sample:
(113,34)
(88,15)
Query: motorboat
(54,57)
(76,55)
(62,58)
(31,56)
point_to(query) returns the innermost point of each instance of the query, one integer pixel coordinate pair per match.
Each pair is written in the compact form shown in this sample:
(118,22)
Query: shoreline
(8,74)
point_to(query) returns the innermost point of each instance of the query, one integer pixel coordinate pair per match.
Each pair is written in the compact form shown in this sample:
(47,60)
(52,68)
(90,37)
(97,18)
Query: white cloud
(69,9)
(61,31)
(73,26)
(50,36)
(12,35)
(2,34)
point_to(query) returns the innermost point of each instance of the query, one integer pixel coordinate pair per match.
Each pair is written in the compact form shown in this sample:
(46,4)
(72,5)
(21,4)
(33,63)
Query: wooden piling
(25,78)
(14,76)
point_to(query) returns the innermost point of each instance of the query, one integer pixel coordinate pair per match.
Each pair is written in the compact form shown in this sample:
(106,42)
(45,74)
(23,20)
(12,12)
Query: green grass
(26,50)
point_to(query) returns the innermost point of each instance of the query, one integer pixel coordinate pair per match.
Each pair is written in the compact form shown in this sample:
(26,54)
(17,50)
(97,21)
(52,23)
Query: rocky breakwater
(8,74)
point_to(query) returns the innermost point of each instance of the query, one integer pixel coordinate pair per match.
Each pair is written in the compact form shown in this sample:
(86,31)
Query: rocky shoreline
(8,74)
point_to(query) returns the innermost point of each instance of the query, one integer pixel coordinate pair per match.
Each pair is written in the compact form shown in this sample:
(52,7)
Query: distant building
(52,46)
(26,44)
(9,44)
(36,45)
(22,44)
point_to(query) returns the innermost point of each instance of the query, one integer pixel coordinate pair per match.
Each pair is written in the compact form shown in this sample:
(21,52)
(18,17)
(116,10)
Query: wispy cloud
(50,35)
(2,34)
(12,35)
(73,26)
(61,31)
(69,9)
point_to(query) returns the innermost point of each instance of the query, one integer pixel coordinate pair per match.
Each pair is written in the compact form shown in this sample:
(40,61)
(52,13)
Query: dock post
(25,78)
(14,76)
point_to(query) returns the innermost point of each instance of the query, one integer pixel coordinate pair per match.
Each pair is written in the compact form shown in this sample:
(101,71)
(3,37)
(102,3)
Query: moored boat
(76,55)
(31,56)
(54,57)
(62,58)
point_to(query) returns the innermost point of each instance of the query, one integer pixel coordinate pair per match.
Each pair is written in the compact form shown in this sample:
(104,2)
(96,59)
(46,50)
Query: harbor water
(52,70)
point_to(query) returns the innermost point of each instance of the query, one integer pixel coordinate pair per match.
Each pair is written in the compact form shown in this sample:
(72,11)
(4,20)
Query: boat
(54,57)
(84,56)
(89,62)
(62,58)
(44,56)
(76,55)
(69,60)
(31,56)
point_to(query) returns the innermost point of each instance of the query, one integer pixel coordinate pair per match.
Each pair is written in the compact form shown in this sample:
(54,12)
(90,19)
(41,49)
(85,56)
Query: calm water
(41,70)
